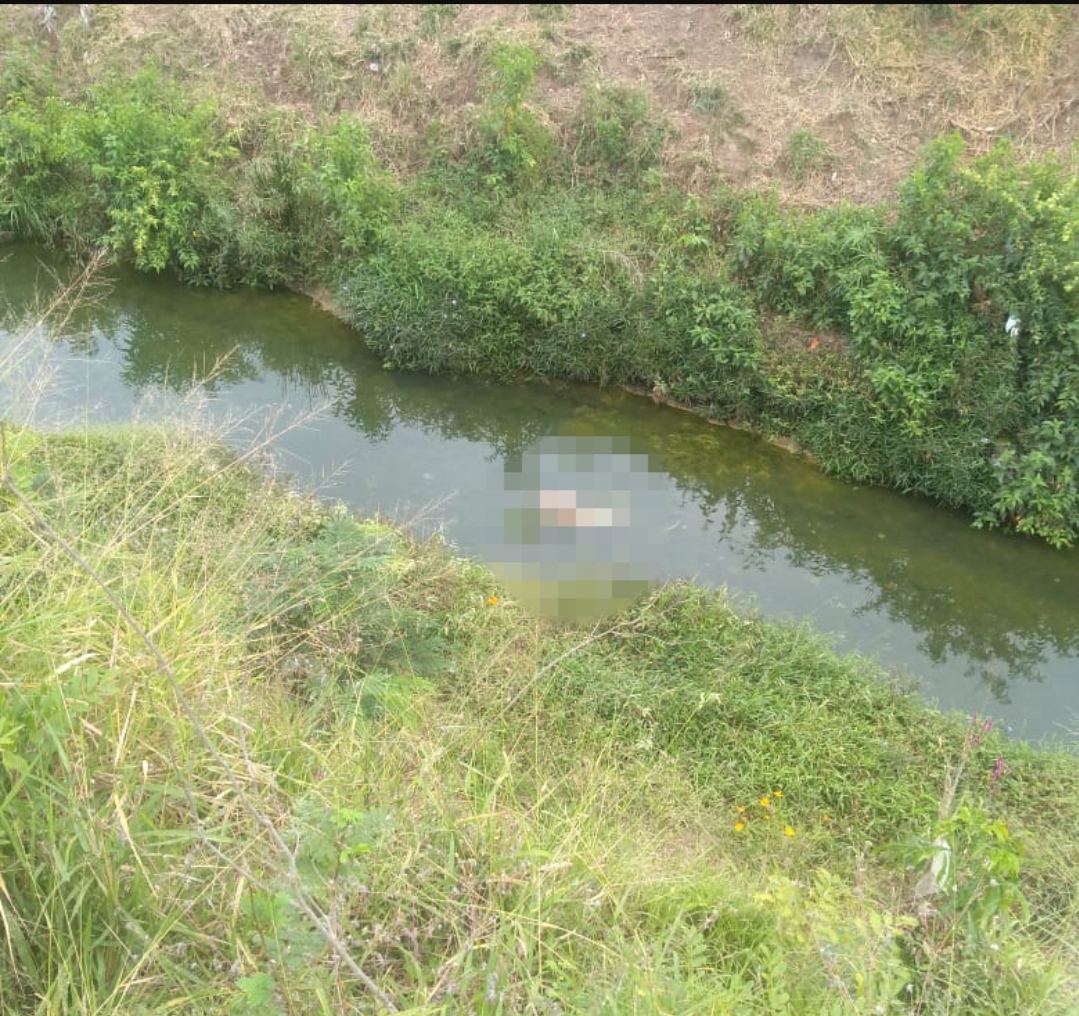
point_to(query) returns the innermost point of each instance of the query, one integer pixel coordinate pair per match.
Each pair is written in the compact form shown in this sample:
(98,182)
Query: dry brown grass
(733,81)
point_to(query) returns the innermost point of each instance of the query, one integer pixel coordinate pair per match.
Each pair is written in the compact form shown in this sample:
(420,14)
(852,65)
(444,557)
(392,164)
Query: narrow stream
(988,624)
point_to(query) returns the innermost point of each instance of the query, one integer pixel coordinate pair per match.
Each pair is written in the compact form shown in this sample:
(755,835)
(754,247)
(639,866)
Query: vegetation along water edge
(258,755)
(539,220)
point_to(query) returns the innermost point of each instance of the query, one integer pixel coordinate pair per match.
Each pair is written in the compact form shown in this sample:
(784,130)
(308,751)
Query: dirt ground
(823,101)
(736,81)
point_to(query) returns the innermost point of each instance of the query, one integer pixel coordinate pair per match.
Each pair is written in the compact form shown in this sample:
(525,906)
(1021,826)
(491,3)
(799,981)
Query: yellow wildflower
(492,601)
(788,830)
(766,801)
(777,793)
(739,826)
(741,809)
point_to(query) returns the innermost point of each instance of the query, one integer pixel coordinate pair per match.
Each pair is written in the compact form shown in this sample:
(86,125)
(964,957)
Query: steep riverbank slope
(259,756)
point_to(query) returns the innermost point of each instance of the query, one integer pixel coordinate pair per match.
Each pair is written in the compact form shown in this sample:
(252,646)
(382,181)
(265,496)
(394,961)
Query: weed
(435,18)
(806,154)
(517,144)
(379,53)
(969,897)
(617,133)
(314,69)
(550,12)
(709,97)
(357,195)
(570,62)
(128,172)
(856,945)
(758,21)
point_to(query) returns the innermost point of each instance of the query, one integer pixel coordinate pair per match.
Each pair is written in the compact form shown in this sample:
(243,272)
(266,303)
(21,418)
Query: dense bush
(159,180)
(545,297)
(298,202)
(954,373)
(962,312)
(446,294)
(128,170)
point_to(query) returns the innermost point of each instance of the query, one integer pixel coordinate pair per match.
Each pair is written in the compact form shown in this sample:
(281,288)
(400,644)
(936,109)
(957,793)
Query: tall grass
(260,756)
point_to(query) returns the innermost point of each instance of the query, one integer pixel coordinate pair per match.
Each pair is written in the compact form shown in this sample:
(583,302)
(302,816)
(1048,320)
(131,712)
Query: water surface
(986,623)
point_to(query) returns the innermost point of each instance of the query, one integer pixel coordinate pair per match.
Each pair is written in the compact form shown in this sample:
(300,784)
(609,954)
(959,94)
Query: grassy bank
(259,756)
(486,197)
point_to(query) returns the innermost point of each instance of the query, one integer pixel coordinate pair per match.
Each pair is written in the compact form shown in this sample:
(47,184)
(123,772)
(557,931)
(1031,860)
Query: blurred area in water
(581,530)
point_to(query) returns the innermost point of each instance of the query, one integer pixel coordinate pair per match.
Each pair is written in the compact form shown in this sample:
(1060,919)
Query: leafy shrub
(263,225)
(158,180)
(128,170)
(43,163)
(444,295)
(515,142)
(153,158)
(298,202)
(712,350)
(616,132)
(961,309)
(358,196)
(547,296)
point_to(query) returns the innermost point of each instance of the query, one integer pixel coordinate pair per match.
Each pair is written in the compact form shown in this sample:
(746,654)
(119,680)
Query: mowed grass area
(826,102)
(260,756)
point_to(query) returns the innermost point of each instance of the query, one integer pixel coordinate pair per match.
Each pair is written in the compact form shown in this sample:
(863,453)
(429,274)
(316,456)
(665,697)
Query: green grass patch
(806,154)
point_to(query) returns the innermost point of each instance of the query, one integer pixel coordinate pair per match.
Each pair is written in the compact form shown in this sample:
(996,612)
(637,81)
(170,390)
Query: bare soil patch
(825,102)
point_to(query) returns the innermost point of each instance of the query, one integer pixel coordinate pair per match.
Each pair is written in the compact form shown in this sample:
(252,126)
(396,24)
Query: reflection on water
(987,622)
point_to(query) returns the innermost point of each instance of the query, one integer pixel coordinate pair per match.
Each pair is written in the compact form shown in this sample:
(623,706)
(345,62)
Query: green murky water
(988,624)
